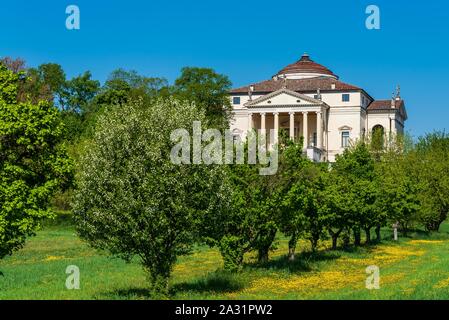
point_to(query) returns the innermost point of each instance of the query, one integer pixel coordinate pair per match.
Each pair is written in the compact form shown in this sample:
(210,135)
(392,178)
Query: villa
(308,100)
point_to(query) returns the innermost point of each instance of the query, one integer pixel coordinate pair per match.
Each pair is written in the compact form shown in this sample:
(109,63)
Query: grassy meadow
(416,267)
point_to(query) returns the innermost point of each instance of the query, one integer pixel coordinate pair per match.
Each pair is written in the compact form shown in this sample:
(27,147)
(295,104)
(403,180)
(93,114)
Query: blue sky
(248,41)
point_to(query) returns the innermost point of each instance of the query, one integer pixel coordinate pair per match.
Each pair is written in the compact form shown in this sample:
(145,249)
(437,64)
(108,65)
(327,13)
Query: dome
(305,68)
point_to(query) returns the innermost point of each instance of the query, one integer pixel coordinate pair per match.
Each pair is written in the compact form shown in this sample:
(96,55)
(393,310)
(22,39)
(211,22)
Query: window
(315,96)
(236,100)
(377,139)
(345,139)
(345,97)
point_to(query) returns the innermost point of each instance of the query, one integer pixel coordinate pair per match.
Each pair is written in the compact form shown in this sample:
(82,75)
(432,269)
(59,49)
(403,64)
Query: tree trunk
(262,256)
(368,235)
(378,236)
(314,243)
(292,247)
(334,241)
(346,239)
(334,236)
(265,245)
(357,240)
(158,284)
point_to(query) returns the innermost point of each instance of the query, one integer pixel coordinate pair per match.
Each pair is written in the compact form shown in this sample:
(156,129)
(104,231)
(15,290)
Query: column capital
(305,112)
(276,113)
(263,113)
(292,112)
(318,112)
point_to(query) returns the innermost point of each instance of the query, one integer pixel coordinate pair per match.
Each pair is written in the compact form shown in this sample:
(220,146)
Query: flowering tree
(132,200)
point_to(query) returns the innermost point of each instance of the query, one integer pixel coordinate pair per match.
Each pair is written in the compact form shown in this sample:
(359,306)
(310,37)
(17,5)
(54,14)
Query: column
(250,121)
(319,130)
(305,132)
(292,125)
(262,122)
(276,127)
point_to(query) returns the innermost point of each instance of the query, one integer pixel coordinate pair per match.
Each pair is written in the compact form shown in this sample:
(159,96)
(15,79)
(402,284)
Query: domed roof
(306,67)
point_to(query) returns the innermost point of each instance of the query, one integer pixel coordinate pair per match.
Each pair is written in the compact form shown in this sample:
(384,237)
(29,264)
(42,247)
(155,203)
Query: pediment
(284,97)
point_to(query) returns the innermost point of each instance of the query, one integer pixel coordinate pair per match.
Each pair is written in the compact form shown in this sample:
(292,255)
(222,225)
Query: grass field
(414,268)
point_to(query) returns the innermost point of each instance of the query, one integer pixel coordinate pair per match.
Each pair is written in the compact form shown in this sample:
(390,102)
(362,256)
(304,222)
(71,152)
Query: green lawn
(415,268)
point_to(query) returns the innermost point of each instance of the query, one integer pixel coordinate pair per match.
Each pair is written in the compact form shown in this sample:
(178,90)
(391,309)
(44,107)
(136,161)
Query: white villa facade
(308,100)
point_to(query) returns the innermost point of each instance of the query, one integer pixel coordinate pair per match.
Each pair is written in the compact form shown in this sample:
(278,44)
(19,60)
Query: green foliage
(232,249)
(79,92)
(123,86)
(9,82)
(209,90)
(33,163)
(292,172)
(338,205)
(399,188)
(132,200)
(249,221)
(46,82)
(305,203)
(430,166)
(356,167)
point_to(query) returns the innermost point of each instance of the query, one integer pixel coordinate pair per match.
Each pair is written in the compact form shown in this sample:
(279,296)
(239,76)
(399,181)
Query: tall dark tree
(123,86)
(209,90)
(79,92)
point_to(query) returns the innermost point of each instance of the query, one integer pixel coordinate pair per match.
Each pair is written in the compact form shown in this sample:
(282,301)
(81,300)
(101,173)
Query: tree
(79,92)
(209,90)
(249,222)
(338,205)
(132,199)
(46,82)
(33,163)
(430,167)
(357,165)
(15,65)
(305,202)
(53,76)
(291,171)
(123,86)
(398,199)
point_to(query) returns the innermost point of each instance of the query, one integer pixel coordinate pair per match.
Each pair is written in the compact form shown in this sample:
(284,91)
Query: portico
(297,114)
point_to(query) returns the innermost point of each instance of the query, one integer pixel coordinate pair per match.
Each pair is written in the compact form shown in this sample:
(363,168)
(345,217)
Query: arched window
(377,137)
(378,128)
